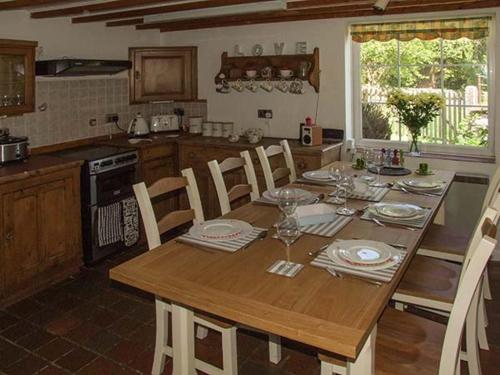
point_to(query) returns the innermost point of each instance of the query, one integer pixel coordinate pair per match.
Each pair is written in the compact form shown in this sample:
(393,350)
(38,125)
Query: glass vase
(414,150)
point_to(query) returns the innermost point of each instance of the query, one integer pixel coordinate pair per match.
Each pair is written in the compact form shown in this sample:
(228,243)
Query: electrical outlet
(93,122)
(265,113)
(112,118)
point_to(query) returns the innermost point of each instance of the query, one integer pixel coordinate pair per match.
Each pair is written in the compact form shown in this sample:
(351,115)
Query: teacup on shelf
(251,73)
(286,73)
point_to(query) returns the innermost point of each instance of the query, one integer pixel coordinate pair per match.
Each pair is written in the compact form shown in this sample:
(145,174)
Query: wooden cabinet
(40,232)
(163,73)
(17,76)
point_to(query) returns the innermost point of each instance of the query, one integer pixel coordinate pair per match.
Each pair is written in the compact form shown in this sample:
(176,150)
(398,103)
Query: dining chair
(432,284)
(238,191)
(272,176)
(154,229)
(409,344)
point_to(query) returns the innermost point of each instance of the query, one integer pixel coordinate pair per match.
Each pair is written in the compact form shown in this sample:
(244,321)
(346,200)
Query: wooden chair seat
(445,239)
(430,279)
(406,344)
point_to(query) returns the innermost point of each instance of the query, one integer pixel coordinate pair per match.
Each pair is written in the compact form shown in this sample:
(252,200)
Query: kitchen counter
(35,165)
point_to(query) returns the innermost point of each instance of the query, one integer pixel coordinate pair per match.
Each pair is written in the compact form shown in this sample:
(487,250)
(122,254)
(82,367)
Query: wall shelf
(233,68)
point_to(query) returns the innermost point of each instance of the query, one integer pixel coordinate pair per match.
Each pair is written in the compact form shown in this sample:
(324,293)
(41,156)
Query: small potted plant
(416,111)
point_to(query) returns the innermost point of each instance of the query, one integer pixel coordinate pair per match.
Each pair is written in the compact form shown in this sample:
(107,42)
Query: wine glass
(336,176)
(287,200)
(368,158)
(346,185)
(288,231)
(378,163)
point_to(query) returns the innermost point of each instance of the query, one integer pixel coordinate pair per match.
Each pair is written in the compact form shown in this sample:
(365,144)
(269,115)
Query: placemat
(416,223)
(314,182)
(284,268)
(391,171)
(229,245)
(385,275)
(373,194)
(267,202)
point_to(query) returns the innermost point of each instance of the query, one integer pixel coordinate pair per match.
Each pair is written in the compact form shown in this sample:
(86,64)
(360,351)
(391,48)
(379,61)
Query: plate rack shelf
(233,68)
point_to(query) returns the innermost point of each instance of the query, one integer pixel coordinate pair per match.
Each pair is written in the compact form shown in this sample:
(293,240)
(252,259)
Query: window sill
(455,157)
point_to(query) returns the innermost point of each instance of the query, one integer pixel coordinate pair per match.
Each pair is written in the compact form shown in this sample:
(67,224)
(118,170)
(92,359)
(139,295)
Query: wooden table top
(314,308)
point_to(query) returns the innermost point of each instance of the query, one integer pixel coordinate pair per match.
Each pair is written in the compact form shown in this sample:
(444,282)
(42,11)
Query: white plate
(367,178)
(397,210)
(317,175)
(220,230)
(302,195)
(421,184)
(363,254)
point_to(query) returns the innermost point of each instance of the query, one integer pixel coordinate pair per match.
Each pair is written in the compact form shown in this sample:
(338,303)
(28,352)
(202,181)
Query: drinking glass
(288,231)
(287,200)
(336,176)
(378,163)
(368,158)
(346,185)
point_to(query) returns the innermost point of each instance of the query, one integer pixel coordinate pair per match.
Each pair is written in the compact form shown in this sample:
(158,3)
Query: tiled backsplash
(72,103)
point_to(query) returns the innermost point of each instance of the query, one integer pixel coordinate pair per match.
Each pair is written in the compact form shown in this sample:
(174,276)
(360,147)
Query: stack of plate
(363,255)
(420,185)
(318,176)
(397,211)
(303,196)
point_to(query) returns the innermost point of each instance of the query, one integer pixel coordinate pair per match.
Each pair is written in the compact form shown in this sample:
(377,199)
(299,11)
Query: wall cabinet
(40,232)
(17,76)
(163,73)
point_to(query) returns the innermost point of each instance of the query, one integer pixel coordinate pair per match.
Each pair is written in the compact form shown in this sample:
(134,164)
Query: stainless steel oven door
(112,186)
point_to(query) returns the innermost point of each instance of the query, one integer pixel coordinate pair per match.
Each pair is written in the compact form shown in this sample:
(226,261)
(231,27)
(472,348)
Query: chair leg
(486,286)
(481,325)
(471,334)
(326,368)
(399,306)
(201,332)
(229,351)
(274,349)
(161,337)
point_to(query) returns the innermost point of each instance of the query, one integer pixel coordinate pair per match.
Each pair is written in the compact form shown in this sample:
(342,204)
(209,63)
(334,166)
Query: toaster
(164,123)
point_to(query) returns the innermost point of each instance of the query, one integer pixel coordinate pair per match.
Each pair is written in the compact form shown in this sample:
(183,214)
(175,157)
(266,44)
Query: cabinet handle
(192,155)
(9,236)
(137,75)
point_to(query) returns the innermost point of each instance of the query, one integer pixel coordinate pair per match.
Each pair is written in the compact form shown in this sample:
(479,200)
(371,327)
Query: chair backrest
(493,187)
(173,219)
(272,176)
(238,191)
(467,291)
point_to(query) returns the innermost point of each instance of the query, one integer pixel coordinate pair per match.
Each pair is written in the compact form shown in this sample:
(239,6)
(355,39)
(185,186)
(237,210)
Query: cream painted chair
(154,230)
(238,191)
(408,344)
(272,176)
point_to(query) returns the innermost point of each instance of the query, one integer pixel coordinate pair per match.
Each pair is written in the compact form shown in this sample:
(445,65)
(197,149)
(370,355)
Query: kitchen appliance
(110,217)
(164,123)
(195,124)
(207,129)
(311,135)
(138,127)
(12,148)
(80,67)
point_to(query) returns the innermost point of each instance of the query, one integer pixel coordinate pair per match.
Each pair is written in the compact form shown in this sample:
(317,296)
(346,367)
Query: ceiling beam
(311,14)
(92,8)
(127,22)
(163,9)
(19,4)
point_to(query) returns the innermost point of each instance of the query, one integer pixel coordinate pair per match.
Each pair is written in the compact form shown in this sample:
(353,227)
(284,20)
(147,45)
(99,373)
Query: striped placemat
(314,182)
(373,194)
(328,229)
(229,245)
(385,275)
(284,268)
(416,223)
(264,201)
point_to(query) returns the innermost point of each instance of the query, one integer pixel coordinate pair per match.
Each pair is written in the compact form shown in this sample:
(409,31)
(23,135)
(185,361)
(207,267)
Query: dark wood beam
(19,4)
(127,22)
(163,9)
(312,14)
(92,8)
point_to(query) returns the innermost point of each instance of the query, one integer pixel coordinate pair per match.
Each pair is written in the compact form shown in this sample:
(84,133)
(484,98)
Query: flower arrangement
(416,111)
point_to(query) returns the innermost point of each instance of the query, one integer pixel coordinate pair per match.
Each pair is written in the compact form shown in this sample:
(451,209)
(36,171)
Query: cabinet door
(163,73)
(21,223)
(152,171)
(17,77)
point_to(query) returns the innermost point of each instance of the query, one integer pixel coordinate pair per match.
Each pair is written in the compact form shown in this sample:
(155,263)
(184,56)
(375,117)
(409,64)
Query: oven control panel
(113,162)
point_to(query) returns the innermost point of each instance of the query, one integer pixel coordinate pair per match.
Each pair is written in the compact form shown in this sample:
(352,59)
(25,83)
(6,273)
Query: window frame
(355,56)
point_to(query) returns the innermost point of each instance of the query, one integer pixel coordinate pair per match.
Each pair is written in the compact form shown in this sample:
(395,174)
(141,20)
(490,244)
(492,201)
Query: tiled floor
(90,326)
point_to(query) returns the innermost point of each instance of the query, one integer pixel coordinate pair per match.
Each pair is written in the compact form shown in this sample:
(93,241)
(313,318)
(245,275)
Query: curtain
(472,28)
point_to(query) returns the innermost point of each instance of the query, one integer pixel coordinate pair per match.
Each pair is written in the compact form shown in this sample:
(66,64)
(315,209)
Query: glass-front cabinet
(17,76)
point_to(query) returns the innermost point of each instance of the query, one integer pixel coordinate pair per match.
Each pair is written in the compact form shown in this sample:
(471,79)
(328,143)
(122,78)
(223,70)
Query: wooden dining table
(337,315)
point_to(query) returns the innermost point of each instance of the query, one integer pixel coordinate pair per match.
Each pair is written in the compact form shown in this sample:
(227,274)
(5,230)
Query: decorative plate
(397,210)
(421,184)
(301,194)
(220,230)
(317,175)
(369,255)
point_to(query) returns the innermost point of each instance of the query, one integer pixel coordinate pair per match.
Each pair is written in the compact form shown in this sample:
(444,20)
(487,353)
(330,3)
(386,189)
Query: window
(448,57)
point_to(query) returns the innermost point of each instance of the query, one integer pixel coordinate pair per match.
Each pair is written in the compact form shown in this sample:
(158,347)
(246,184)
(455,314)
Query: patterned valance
(472,28)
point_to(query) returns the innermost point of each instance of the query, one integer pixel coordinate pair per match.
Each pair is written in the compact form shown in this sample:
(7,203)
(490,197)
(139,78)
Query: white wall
(289,110)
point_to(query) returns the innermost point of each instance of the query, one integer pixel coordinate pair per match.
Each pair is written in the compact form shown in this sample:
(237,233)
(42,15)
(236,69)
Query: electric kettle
(138,126)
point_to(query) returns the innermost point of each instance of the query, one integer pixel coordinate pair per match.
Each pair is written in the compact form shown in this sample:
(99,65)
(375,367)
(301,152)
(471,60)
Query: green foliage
(376,124)
(416,111)
(470,130)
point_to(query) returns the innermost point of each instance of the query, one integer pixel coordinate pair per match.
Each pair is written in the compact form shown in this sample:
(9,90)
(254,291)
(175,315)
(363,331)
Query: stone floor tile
(28,365)
(55,349)
(76,359)
(36,339)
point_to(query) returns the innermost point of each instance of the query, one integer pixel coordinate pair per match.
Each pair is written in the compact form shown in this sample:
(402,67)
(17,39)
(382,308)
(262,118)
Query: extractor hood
(80,67)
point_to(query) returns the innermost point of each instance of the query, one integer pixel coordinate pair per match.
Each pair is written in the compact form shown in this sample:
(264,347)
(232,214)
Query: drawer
(156,152)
